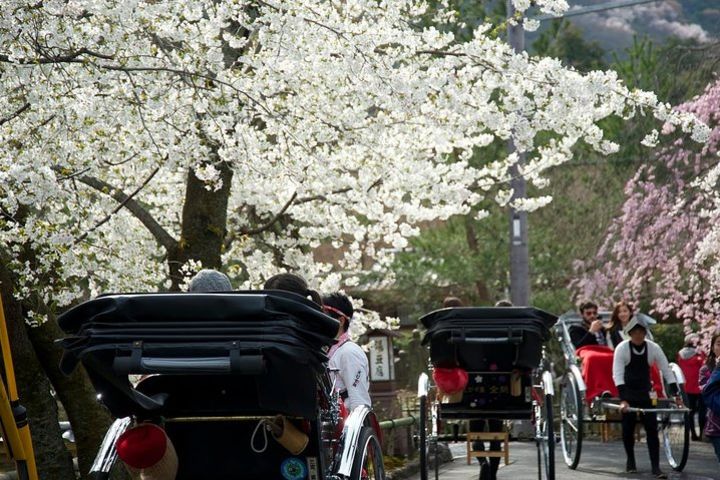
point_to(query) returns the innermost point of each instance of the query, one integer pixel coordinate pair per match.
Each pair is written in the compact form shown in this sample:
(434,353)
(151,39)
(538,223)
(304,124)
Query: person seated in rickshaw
(591,344)
(590,331)
(292,283)
(631,374)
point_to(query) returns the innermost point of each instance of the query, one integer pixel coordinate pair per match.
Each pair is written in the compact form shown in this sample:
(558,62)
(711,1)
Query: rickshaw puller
(631,373)
(346,357)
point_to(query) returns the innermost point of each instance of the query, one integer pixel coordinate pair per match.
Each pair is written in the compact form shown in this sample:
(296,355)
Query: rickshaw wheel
(423,438)
(545,433)
(675,433)
(368,461)
(571,421)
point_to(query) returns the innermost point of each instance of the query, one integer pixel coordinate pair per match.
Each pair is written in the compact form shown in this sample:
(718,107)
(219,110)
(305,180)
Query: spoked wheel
(545,438)
(368,461)
(571,421)
(675,434)
(423,439)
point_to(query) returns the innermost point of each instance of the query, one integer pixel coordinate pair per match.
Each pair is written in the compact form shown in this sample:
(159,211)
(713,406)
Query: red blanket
(597,362)
(597,365)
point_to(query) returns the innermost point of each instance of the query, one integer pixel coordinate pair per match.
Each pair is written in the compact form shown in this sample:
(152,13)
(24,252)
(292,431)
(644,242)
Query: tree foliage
(144,139)
(117,114)
(657,251)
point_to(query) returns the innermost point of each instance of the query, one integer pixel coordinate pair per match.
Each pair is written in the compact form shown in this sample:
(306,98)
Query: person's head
(290,282)
(338,306)
(452,302)
(637,332)
(692,339)
(589,311)
(714,354)
(621,315)
(503,303)
(209,281)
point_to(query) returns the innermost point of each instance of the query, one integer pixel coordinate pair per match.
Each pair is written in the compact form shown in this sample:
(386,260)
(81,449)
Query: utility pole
(519,253)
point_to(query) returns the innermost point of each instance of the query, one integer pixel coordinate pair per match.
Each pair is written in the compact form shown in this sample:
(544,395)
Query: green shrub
(670,337)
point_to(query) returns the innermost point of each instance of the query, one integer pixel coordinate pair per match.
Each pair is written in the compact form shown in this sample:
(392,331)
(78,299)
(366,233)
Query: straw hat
(633,324)
(148,453)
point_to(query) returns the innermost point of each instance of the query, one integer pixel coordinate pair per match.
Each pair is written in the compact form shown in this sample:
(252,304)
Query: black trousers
(696,404)
(494,462)
(649,421)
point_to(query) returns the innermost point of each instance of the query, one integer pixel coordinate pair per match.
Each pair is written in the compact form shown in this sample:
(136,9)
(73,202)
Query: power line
(594,9)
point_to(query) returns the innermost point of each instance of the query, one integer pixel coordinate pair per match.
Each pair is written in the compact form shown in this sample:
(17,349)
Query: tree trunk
(52,458)
(88,419)
(204,224)
(471,237)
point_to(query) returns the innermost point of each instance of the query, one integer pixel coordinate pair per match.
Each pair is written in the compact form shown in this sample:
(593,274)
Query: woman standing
(690,360)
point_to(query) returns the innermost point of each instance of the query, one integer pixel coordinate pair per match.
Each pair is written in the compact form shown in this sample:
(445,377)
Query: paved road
(599,460)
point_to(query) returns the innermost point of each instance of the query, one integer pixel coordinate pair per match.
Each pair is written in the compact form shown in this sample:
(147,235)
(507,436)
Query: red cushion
(597,367)
(450,380)
(142,446)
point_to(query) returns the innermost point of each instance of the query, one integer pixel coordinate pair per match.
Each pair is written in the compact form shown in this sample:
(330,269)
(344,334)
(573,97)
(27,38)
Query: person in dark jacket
(591,331)
(489,466)
(710,384)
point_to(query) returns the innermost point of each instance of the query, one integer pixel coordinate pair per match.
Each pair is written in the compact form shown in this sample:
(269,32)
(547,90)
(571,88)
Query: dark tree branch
(271,222)
(296,201)
(127,201)
(313,198)
(120,205)
(265,226)
(15,114)
(71,57)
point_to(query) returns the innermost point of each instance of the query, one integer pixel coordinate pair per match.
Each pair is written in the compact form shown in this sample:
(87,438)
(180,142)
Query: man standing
(591,331)
(346,357)
(631,373)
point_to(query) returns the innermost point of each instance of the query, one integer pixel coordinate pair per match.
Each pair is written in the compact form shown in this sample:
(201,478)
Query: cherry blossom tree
(305,122)
(146,139)
(659,250)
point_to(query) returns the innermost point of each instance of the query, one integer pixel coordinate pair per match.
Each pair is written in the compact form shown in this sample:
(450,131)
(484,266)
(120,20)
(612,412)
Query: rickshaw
(13,416)
(579,407)
(501,349)
(217,370)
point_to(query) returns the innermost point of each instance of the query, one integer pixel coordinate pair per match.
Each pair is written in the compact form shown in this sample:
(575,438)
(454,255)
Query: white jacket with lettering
(353,374)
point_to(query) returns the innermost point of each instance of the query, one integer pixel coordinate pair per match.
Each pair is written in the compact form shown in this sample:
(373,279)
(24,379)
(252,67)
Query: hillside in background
(697,20)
